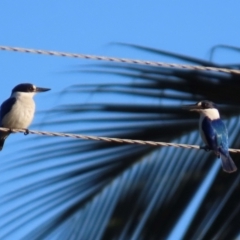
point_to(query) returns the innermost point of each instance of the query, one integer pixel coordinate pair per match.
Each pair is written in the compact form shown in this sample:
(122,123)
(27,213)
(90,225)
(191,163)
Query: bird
(213,132)
(18,110)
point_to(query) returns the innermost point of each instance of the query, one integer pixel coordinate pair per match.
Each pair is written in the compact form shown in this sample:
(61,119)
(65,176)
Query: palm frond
(75,189)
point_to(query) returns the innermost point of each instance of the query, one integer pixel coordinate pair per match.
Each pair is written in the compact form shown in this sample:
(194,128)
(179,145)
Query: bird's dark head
(204,104)
(28,88)
(205,108)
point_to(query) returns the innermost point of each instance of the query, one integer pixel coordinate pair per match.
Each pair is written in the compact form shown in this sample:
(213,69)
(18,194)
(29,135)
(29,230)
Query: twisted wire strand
(107,139)
(120,60)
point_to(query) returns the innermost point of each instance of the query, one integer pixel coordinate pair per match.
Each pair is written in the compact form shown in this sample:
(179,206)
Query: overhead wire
(119,60)
(108,139)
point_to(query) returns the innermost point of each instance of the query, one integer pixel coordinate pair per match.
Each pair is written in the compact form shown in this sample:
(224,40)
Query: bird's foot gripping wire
(10,130)
(26,132)
(206,148)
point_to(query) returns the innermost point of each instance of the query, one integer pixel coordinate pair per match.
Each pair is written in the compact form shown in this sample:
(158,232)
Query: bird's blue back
(6,107)
(215,133)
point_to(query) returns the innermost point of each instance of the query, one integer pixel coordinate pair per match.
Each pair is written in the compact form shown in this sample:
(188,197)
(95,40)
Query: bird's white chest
(21,114)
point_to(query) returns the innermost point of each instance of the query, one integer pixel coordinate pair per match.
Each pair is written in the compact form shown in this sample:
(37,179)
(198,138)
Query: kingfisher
(213,132)
(18,110)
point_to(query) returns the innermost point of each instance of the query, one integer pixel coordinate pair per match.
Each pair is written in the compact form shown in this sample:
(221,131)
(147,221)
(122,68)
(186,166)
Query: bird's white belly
(20,116)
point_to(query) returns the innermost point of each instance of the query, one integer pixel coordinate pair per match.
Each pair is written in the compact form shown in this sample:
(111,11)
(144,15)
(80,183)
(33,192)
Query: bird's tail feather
(227,163)
(3,136)
(2,140)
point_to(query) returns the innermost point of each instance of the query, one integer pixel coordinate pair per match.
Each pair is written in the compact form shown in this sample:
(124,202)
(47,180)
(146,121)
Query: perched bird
(214,132)
(18,110)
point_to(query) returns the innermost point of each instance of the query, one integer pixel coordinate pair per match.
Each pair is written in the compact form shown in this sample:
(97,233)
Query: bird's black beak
(193,107)
(39,89)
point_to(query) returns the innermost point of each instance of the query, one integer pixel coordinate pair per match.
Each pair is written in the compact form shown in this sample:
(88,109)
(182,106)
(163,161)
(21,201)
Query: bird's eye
(205,105)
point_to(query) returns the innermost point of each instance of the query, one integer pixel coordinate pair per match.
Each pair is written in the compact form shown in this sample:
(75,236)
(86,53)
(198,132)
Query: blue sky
(90,27)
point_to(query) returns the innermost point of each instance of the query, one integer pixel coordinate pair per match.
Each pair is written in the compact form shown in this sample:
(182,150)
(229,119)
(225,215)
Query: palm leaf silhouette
(76,189)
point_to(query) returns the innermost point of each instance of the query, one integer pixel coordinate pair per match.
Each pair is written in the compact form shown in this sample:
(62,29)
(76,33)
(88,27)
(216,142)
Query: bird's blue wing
(216,136)
(215,133)
(6,107)
(222,134)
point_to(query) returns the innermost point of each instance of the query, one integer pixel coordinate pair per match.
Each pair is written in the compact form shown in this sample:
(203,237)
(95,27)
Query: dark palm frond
(76,189)
(188,59)
(227,47)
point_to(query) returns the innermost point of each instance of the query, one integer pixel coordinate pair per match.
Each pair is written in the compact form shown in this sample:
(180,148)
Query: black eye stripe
(205,105)
(24,87)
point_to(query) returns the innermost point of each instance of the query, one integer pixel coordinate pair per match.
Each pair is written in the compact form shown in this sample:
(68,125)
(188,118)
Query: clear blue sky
(186,27)
(89,26)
